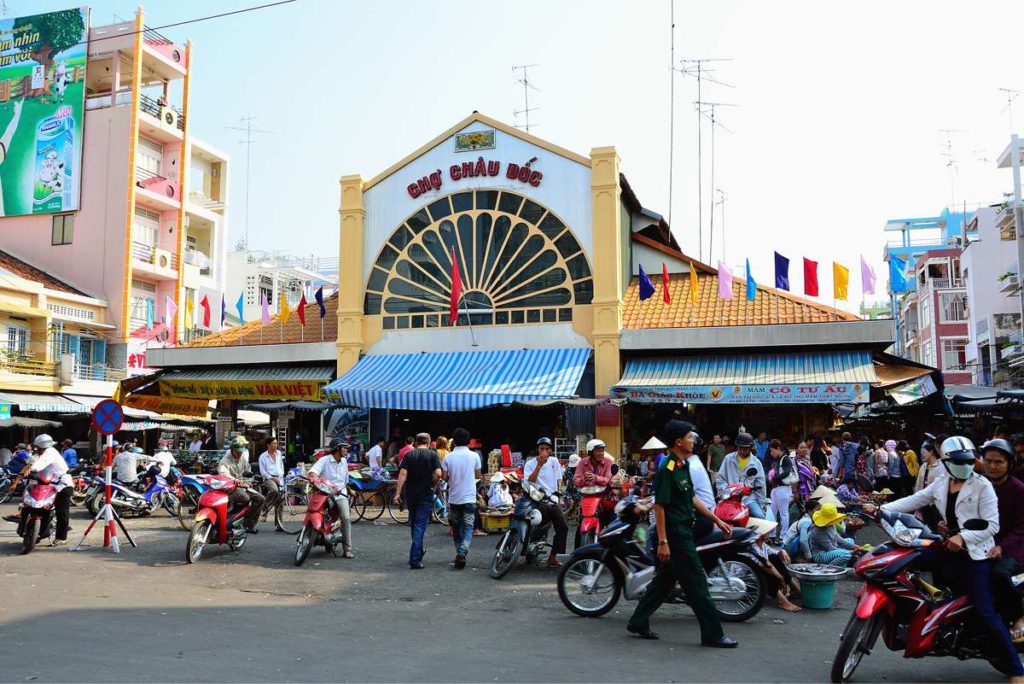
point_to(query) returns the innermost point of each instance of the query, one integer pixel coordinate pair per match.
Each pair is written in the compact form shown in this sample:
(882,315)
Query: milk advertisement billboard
(42,105)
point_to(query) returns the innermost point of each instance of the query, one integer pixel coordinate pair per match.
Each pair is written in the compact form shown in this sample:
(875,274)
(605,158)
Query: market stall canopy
(22,421)
(253,418)
(43,403)
(783,378)
(969,392)
(460,381)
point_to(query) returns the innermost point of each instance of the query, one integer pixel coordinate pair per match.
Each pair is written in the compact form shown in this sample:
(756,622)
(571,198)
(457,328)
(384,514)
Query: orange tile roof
(12,264)
(771,307)
(249,333)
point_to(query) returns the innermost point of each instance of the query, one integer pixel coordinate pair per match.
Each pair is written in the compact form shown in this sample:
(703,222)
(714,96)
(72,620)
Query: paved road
(147,616)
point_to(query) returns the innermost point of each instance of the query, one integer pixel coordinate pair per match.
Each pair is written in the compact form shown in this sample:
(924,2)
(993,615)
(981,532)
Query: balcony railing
(98,372)
(153,107)
(154,38)
(201,261)
(17,364)
(147,254)
(205,202)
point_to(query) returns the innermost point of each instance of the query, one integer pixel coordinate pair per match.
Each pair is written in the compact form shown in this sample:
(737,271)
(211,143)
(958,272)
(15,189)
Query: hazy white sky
(838,128)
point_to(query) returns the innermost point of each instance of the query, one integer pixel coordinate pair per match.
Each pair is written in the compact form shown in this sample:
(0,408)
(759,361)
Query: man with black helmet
(545,471)
(675,507)
(333,468)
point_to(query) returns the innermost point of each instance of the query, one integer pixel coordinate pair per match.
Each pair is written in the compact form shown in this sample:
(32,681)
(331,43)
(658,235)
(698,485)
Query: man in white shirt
(702,490)
(126,467)
(545,471)
(161,462)
(375,455)
(196,444)
(462,471)
(272,470)
(334,469)
(48,462)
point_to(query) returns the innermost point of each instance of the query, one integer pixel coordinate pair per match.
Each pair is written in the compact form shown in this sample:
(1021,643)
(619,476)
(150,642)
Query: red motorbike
(911,614)
(594,501)
(731,508)
(318,525)
(39,498)
(213,522)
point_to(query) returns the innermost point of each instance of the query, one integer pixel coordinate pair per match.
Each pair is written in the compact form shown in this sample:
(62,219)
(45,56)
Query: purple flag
(266,308)
(724,281)
(646,286)
(320,300)
(781,272)
(867,276)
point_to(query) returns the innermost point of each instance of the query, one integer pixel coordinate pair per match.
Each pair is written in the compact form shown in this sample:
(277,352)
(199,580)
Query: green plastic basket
(817,595)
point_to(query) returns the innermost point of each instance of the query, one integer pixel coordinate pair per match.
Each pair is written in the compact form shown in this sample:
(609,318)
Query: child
(848,492)
(795,541)
(826,546)
(778,581)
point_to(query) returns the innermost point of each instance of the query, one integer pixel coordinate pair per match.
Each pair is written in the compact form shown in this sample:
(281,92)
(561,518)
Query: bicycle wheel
(287,516)
(355,505)
(372,504)
(399,512)
(440,509)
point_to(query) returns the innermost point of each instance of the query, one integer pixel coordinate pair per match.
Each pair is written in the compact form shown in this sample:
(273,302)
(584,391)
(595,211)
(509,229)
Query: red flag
(205,303)
(664,284)
(810,277)
(302,309)
(456,290)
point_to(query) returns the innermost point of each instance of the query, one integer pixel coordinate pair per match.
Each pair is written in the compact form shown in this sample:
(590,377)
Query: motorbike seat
(716,535)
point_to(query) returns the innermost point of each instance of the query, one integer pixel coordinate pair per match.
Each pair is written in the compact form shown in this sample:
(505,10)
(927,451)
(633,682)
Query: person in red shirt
(404,450)
(596,469)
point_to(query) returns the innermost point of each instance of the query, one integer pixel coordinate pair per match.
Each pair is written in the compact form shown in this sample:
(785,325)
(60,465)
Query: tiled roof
(249,333)
(16,266)
(771,307)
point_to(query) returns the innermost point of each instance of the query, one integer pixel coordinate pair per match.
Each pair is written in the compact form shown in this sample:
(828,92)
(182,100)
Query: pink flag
(170,313)
(724,281)
(266,308)
(867,276)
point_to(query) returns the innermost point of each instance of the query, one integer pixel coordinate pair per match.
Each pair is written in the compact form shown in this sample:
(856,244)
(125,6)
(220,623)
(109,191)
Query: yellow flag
(284,307)
(840,281)
(189,321)
(693,284)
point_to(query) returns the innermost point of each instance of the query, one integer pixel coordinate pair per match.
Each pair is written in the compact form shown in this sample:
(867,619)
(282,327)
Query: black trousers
(62,508)
(558,521)
(1005,594)
(240,497)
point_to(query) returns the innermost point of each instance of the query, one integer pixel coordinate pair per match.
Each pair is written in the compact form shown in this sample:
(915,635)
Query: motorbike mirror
(976,525)
(751,472)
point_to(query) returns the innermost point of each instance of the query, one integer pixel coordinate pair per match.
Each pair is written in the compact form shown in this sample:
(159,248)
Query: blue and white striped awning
(460,381)
(785,378)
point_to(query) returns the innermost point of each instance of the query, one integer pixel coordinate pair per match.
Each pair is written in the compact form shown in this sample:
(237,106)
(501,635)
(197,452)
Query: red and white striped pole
(109,531)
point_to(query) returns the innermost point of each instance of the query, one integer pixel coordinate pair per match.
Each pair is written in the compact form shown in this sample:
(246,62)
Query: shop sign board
(42,107)
(180,407)
(910,392)
(5,411)
(856,393)
(309,390)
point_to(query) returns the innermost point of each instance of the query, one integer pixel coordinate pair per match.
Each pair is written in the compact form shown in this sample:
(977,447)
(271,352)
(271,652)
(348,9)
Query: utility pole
(952,163)
(1011,95)
(715,123)
(527,87)
(246,126)
(671,104)
(721,203)
(696,69)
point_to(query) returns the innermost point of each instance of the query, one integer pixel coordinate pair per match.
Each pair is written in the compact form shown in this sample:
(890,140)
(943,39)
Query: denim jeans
(419,519)
(461,517)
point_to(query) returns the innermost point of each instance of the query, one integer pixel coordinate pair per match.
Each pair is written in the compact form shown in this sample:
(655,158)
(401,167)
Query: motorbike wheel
(170,504)
(305,543)
(744,569)
(6,491)
(588,586)
(197,539)
(851,648)
(28,542)
(78,497)
(97,502)
(506,555)
(186,508)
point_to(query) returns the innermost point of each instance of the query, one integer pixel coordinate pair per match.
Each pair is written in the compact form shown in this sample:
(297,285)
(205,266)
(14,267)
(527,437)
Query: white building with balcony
(256,275)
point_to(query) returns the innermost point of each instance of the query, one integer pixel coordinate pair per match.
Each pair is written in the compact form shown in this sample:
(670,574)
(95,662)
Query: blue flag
(149,313)
(781,272)
(751,285)
(898,275)
(320,300)
(239,309)
(646,286)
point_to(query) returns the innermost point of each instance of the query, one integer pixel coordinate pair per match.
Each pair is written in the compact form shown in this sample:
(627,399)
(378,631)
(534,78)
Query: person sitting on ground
(778,582)
(848,492)
(498,495)
(333,468)
(1009,549)
(734,470)
(796,540)
(827,547)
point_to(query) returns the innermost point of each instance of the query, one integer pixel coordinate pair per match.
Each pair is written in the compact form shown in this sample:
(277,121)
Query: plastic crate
(495,523)
(817,595)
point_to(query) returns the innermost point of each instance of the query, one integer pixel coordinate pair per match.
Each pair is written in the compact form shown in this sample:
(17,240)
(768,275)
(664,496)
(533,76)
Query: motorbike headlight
(536,494)
(905,536)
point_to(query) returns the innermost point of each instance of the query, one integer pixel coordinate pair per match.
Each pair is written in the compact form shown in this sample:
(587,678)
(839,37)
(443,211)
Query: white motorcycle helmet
(958,456)
(43,441)
(593,444)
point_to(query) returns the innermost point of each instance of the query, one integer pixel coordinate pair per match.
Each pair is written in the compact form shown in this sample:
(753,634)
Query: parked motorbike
(592,580)
(126,500)
(191,488)
(214,523)
(911,614)
(527,534)
(322,522)
(39,498)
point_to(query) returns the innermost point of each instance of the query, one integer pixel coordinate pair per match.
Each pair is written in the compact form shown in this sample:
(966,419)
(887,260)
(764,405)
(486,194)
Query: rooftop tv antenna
(711,114)
(527,87)
(721,203)
(695,68)
(246,126)
(952,161)
(1011,95)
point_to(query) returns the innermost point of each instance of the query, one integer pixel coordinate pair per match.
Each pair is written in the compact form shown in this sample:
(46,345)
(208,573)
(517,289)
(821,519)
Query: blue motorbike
(158,495)
(190,488)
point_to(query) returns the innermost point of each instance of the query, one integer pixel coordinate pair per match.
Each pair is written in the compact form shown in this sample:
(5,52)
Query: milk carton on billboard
(54,163)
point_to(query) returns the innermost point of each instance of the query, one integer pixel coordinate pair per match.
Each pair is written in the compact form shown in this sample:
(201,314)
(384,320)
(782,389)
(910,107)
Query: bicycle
(289,505)
(399,512)
(366,496)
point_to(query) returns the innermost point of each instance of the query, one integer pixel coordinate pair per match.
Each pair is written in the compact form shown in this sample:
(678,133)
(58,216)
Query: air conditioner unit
(161,258)
(168,117)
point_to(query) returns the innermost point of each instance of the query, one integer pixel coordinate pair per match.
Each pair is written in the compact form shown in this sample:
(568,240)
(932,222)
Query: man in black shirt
(419,472)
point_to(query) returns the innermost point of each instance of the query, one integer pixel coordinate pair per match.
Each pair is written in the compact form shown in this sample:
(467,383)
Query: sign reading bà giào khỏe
(856,393)
(242,389)
(480,168)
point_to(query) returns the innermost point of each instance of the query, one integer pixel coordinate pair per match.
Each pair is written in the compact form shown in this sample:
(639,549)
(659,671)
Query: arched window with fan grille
(519,263)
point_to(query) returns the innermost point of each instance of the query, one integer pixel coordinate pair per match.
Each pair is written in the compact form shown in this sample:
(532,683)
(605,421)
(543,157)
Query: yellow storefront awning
(293,382)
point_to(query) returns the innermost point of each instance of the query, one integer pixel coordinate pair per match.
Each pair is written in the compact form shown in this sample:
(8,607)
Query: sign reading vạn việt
(42,109)
(823,393)
(242,389)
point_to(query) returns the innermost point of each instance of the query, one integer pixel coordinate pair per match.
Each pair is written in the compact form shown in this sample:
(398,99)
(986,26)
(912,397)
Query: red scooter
(319,526)
(594,501)
(910,613)
(213,522)
(731,508)
(39,498)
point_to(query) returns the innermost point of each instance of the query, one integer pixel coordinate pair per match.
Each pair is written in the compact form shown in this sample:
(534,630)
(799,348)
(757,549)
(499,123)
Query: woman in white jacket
(964,496)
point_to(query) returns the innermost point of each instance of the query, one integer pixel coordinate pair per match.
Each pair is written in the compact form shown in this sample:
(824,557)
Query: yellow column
(350,273)
(605,199)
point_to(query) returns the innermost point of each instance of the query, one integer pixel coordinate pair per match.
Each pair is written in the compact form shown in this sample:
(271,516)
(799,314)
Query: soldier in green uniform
(675,507)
